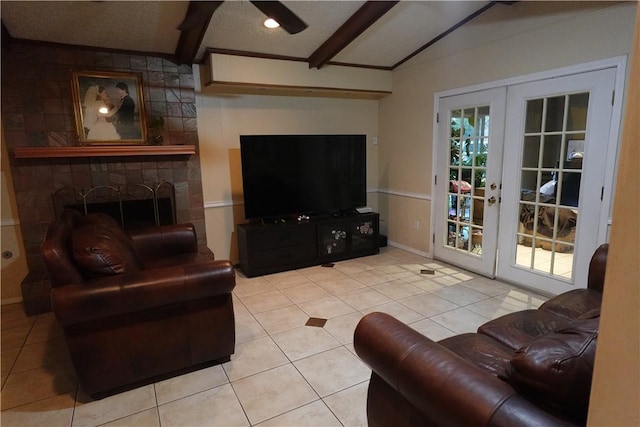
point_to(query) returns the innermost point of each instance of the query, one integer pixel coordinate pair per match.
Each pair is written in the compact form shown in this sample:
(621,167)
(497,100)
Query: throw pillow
(100,251)
(558,366)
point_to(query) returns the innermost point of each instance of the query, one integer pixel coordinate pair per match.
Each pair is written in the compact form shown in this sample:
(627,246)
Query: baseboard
(409,249)
(8,301)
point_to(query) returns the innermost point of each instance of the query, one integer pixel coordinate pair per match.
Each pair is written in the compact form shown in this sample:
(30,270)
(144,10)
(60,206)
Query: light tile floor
(283,373)
(557,263)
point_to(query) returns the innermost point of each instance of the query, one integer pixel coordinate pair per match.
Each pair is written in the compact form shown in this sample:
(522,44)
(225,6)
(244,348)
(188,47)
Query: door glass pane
(554,116)
(578,104)
(531,152)
(483,121)
(483,151)
(469,149)
(551,171)
(528,184)
(552,150)
(456,119)
(533,122)
(454,157)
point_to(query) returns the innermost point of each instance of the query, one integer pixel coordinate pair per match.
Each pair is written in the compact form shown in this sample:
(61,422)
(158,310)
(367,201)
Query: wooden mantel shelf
(103,151)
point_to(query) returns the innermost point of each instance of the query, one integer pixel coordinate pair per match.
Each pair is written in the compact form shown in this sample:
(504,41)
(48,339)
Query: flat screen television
(287,175)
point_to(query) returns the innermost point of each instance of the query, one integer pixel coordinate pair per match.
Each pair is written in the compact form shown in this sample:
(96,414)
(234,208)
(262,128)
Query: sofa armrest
(597,268)
(123,294)
(164,241)
(445,388)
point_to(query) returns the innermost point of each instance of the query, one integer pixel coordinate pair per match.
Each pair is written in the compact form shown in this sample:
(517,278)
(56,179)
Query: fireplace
(40,116)
(133,206)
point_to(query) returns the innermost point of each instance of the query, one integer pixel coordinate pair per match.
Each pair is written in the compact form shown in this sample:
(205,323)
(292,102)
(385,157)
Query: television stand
(341,214)
(270,248)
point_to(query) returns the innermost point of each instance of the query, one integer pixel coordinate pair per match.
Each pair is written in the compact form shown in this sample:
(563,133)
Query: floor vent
(315,321)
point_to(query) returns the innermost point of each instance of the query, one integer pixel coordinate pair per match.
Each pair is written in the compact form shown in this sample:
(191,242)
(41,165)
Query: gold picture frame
(109,108)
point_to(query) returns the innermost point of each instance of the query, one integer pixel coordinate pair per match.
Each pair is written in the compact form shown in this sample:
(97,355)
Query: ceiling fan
(275,10)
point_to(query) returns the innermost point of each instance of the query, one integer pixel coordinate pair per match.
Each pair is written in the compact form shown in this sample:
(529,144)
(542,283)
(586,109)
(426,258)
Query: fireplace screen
(133,206)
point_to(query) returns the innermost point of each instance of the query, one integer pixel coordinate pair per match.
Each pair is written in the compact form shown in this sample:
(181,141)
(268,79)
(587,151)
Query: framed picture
(109,108)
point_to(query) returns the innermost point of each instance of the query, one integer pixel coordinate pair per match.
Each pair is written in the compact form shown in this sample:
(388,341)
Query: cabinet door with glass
(347,237)
(364,235)
(333,240)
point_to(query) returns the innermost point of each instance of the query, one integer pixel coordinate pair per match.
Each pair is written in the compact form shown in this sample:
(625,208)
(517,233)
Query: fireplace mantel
(103,151)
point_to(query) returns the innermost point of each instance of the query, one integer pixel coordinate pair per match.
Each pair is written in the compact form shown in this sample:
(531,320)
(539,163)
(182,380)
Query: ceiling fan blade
(282,14)
(198,12)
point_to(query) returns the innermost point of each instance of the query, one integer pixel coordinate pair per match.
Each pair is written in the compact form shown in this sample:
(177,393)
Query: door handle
(491,200)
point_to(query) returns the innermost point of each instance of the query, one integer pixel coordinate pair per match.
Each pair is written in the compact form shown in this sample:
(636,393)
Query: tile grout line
(379,264)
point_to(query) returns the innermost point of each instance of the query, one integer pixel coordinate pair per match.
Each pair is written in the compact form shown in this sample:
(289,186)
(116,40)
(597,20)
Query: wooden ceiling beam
(362,19)
(193,28)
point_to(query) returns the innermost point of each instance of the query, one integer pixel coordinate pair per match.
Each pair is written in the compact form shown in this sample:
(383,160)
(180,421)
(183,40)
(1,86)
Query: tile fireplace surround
(37,112)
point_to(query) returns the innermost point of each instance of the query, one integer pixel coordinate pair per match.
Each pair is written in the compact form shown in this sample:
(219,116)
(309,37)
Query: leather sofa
(527,368)
(137,306)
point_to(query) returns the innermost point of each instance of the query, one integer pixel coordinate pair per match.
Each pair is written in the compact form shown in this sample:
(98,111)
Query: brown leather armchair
(528,368)
(137,306)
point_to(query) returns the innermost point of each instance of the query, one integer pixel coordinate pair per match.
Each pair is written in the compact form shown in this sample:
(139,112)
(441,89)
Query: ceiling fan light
(271,23)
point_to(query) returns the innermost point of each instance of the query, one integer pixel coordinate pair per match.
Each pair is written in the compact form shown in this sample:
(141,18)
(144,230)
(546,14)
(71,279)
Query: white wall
(221,121)
(506,41)
(14,269)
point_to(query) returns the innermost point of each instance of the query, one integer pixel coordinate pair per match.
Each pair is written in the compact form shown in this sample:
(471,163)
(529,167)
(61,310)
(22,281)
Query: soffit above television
(223,73)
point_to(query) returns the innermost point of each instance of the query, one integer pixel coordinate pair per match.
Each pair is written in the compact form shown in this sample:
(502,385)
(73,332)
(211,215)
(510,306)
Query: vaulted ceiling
(380,34)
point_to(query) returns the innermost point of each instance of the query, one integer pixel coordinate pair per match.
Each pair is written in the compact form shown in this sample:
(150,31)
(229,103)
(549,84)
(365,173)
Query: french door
(557,143)
(520,177)
(468,174)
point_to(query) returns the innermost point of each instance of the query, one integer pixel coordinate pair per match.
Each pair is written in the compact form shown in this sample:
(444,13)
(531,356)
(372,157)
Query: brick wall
(37,111)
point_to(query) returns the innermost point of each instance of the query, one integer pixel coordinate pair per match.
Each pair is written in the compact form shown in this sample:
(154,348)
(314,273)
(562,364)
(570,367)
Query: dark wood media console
(270,248)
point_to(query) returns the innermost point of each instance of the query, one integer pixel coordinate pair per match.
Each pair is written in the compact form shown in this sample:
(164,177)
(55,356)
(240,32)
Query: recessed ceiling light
(271,23)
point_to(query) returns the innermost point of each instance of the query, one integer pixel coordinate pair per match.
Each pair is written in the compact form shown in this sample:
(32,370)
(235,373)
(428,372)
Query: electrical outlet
(416,225)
